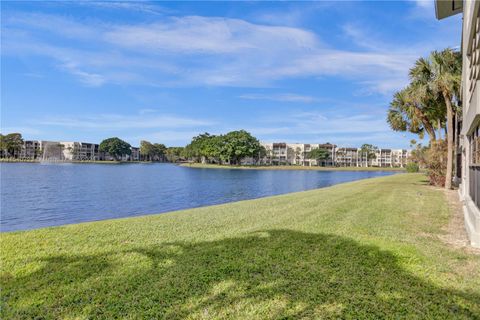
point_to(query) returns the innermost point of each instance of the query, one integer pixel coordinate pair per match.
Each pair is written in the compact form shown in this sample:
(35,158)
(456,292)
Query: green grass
(363,250)
(292,167)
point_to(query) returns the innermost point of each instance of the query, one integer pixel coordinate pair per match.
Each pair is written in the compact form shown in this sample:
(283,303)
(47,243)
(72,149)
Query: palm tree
(407,112)
(428,101)
(447,67)
(440,76)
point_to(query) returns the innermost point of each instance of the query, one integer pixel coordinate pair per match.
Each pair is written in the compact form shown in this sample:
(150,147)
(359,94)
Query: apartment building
(468,163)
(31,149)
(390,158)
(81,151)
(400,157)
(282,153)
(69,151)
(347,157)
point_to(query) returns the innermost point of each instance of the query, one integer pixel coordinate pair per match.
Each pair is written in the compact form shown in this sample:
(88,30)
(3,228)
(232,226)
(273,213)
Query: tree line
(229,148)
(429,105)
(10,145)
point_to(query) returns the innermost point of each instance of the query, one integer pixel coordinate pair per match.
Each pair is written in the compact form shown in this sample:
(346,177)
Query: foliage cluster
(412,167)
(428,106)
(115,147)
(227,148)
(10,145)
(436,162)
(152,151)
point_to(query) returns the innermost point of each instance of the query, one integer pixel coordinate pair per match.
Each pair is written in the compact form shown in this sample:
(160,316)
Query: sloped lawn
(363,250)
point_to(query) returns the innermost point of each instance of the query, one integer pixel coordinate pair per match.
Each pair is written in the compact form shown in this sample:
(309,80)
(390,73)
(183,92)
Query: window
(474,58)
(475,146)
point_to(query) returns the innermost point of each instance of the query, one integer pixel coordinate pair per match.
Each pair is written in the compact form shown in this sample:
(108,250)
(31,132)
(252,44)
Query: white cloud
(23,130)
(203,51)
(317,127)
(168,137)
(424,3)
(318,123)
(126,5)
(204,35)
(107,122)
(89,79)
(282,97)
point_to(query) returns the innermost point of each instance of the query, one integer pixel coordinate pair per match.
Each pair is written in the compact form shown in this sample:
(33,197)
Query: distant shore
(283,167)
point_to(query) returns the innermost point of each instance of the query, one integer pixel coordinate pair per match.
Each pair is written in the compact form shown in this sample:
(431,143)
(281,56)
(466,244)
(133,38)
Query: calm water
(36,195)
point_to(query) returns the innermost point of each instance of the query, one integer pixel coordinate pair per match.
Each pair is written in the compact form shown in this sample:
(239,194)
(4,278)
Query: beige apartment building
(69,151)
(80,151)
(468,159)
(347,157)
(282,153)
(390,158)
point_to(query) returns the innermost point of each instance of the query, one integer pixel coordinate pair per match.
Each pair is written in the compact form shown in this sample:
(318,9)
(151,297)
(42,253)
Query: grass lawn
(293,167)
(363,250)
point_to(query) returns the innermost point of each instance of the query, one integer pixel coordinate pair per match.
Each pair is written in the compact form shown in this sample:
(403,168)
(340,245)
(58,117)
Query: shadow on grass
(272,274)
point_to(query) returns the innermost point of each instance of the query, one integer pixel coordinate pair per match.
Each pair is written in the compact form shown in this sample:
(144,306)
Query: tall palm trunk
(448,176)
(426,124)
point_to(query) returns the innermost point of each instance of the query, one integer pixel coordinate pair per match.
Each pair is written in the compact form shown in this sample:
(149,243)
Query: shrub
(436,163)
(412,167)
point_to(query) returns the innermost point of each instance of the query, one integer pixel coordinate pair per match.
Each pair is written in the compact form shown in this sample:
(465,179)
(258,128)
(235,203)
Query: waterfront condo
(468,126)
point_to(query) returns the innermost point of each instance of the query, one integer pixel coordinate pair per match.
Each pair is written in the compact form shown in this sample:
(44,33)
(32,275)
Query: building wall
(470,134)
(30,150)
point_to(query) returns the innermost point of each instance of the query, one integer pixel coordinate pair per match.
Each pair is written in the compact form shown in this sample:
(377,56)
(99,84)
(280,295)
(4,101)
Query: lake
(42,195)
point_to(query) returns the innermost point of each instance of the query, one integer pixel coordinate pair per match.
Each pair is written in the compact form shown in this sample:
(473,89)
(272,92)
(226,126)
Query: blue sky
(285,71)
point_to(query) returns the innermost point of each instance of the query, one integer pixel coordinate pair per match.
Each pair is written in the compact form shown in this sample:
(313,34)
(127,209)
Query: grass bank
(315,168)
(366,249)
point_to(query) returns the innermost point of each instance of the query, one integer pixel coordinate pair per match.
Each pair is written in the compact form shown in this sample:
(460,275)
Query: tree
(369,151)
(237,145)
(12,143)
(115,147)
(204,148)
(290,155)
(446,80)
(409,111)
(298,152)
(174,154)
(3,145)
(262,153)
(418,154)
(318,154)
(147,150)
(429,101)
(159,150)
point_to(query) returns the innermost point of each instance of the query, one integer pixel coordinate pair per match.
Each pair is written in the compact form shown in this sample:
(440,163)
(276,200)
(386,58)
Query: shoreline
(284,167)
(197,207)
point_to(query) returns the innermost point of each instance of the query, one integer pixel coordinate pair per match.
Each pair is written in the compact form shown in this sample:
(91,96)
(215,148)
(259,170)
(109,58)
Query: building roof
(447,8)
